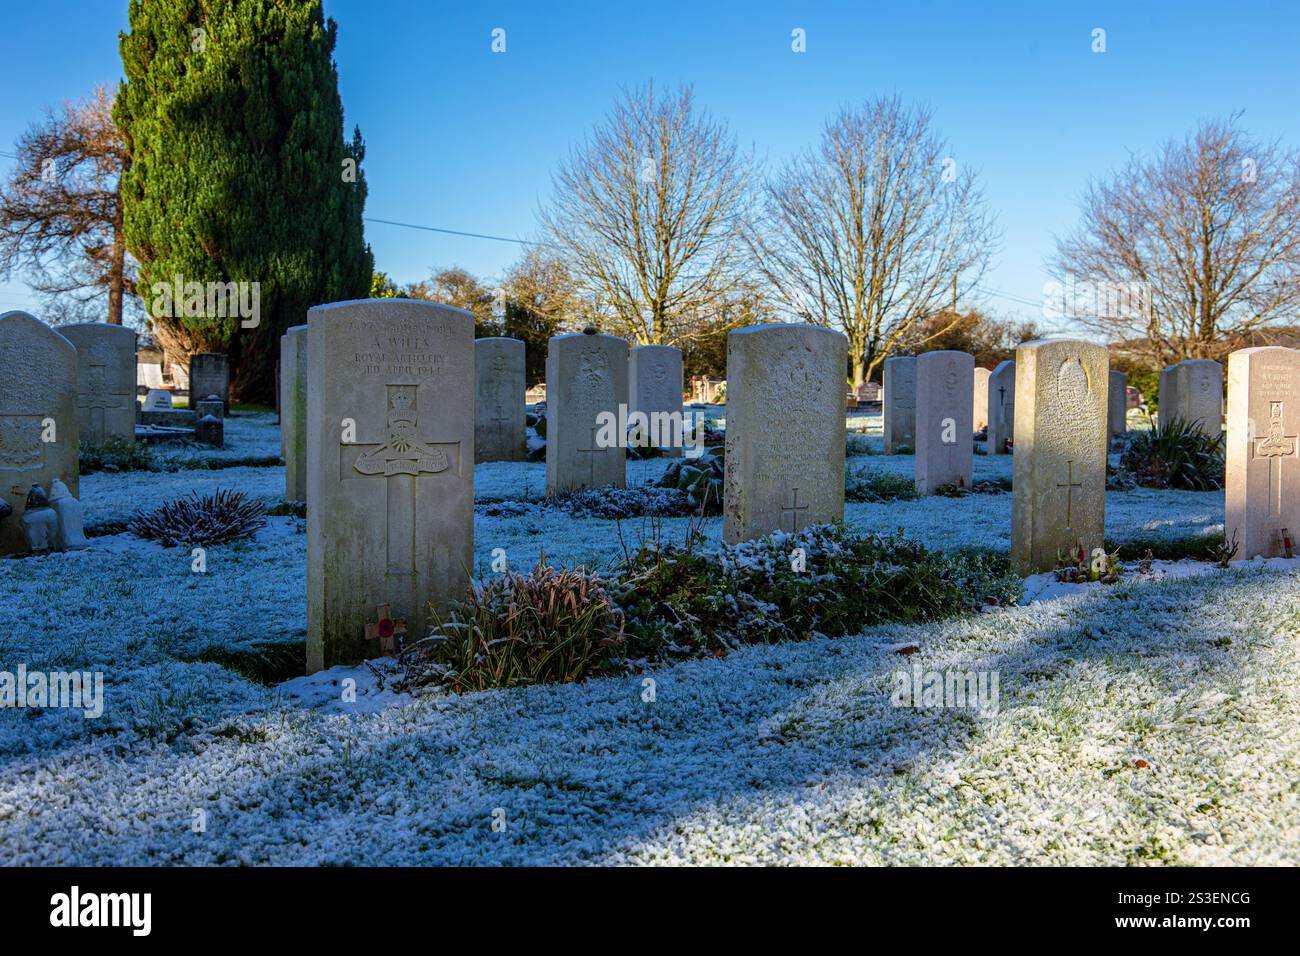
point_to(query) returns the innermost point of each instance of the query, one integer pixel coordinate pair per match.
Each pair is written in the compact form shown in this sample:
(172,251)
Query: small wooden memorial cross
(386,630)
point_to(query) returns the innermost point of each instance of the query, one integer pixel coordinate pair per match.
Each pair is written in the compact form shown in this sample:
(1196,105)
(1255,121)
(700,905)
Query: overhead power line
(458,232)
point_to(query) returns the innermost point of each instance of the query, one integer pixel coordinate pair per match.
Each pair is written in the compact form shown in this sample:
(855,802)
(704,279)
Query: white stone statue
(39,522)
(72,537)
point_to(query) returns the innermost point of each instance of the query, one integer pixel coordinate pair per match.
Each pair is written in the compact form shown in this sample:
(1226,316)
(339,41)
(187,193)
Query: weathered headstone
(38,417)
(980,406)
(1002,408)
(390,468)
(586,374)
(1058,498)
(785,429)
(1262,495)
(158,400)
(944,392)
(293,411)
(105,380)
(1193,391)
(499,431)
(899,403)
(654,384)
(1117,403)
(210,375)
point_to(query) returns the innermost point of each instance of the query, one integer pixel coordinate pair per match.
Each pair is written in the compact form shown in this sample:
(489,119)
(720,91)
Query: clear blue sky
(466,139)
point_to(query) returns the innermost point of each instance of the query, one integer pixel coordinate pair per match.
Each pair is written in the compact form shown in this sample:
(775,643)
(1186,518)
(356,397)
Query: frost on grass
(784,753)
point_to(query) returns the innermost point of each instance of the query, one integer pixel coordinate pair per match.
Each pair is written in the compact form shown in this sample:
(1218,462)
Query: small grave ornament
(386,630)
(39,522)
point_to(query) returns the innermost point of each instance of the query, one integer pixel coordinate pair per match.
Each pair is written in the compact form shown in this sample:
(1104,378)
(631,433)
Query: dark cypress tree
(240,172)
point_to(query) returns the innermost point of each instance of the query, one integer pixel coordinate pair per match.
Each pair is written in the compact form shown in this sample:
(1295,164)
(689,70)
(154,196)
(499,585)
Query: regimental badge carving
(498,363)
(659,373)
(593,368)
(950,376)
(403,453)
(20,443)
(1274,447)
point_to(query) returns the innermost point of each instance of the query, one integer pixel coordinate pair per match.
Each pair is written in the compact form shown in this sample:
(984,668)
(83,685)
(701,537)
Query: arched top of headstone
(19,323)
(500,341)
(102,329)
(388,306)
(787,328)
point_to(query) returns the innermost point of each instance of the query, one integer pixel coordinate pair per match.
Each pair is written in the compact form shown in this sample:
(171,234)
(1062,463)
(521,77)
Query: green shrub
(857,445)
(1175,454)
(679,601)
(878,485)
(547,627)
(115,454)
(701,478)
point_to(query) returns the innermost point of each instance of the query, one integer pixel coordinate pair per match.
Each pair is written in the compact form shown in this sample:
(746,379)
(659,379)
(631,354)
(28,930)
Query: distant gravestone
(980,404)
(1117,403)
(38,417)
(1193,391)
(210,375)
(499,430)
(944,392)
(899,403)
(105,380)
(1058,503)
(1262,495)
(1002,408)
(654,384)
(586,374)
(785,429)
(390,473)
(158,400)
(293,411)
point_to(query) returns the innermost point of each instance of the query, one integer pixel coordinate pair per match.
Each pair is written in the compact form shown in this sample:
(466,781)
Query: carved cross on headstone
(386,629)
(401,460)
(1069,485)
(591,451)
(794,508)
(1274,447)
(500,420)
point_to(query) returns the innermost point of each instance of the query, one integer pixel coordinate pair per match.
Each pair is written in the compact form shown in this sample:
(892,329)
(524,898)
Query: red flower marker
(386,630)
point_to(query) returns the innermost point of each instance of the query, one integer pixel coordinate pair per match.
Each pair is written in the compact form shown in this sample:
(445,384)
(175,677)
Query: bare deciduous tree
(874,231)
(1199,247)
(61,210)
(649,211)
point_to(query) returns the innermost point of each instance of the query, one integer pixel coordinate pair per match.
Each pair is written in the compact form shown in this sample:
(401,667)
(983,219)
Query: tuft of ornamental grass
(217,518)
(1175,454)
(546,627)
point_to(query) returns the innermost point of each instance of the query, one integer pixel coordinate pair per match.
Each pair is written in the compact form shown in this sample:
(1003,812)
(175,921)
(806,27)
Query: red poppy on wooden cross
(386,630)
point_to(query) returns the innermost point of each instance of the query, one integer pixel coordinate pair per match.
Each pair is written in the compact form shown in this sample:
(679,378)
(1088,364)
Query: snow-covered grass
(775,754)
(781,754)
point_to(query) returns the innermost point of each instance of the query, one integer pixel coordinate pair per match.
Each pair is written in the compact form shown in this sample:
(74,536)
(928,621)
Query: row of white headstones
(59,387)
(396,397)
(385,400)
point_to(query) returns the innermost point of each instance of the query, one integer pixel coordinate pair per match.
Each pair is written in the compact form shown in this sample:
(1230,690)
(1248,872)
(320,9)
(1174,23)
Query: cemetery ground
(1149,721)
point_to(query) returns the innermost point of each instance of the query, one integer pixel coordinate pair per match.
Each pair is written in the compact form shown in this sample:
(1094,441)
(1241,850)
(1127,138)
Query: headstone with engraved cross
(654,385)
(1002,408)
(500,430)
(105,380)
(785,429)
(390,469)
(293,411)
(945,391)
(898,403)
(1262,493)
(38,417)
(1058,498)
(586,375)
